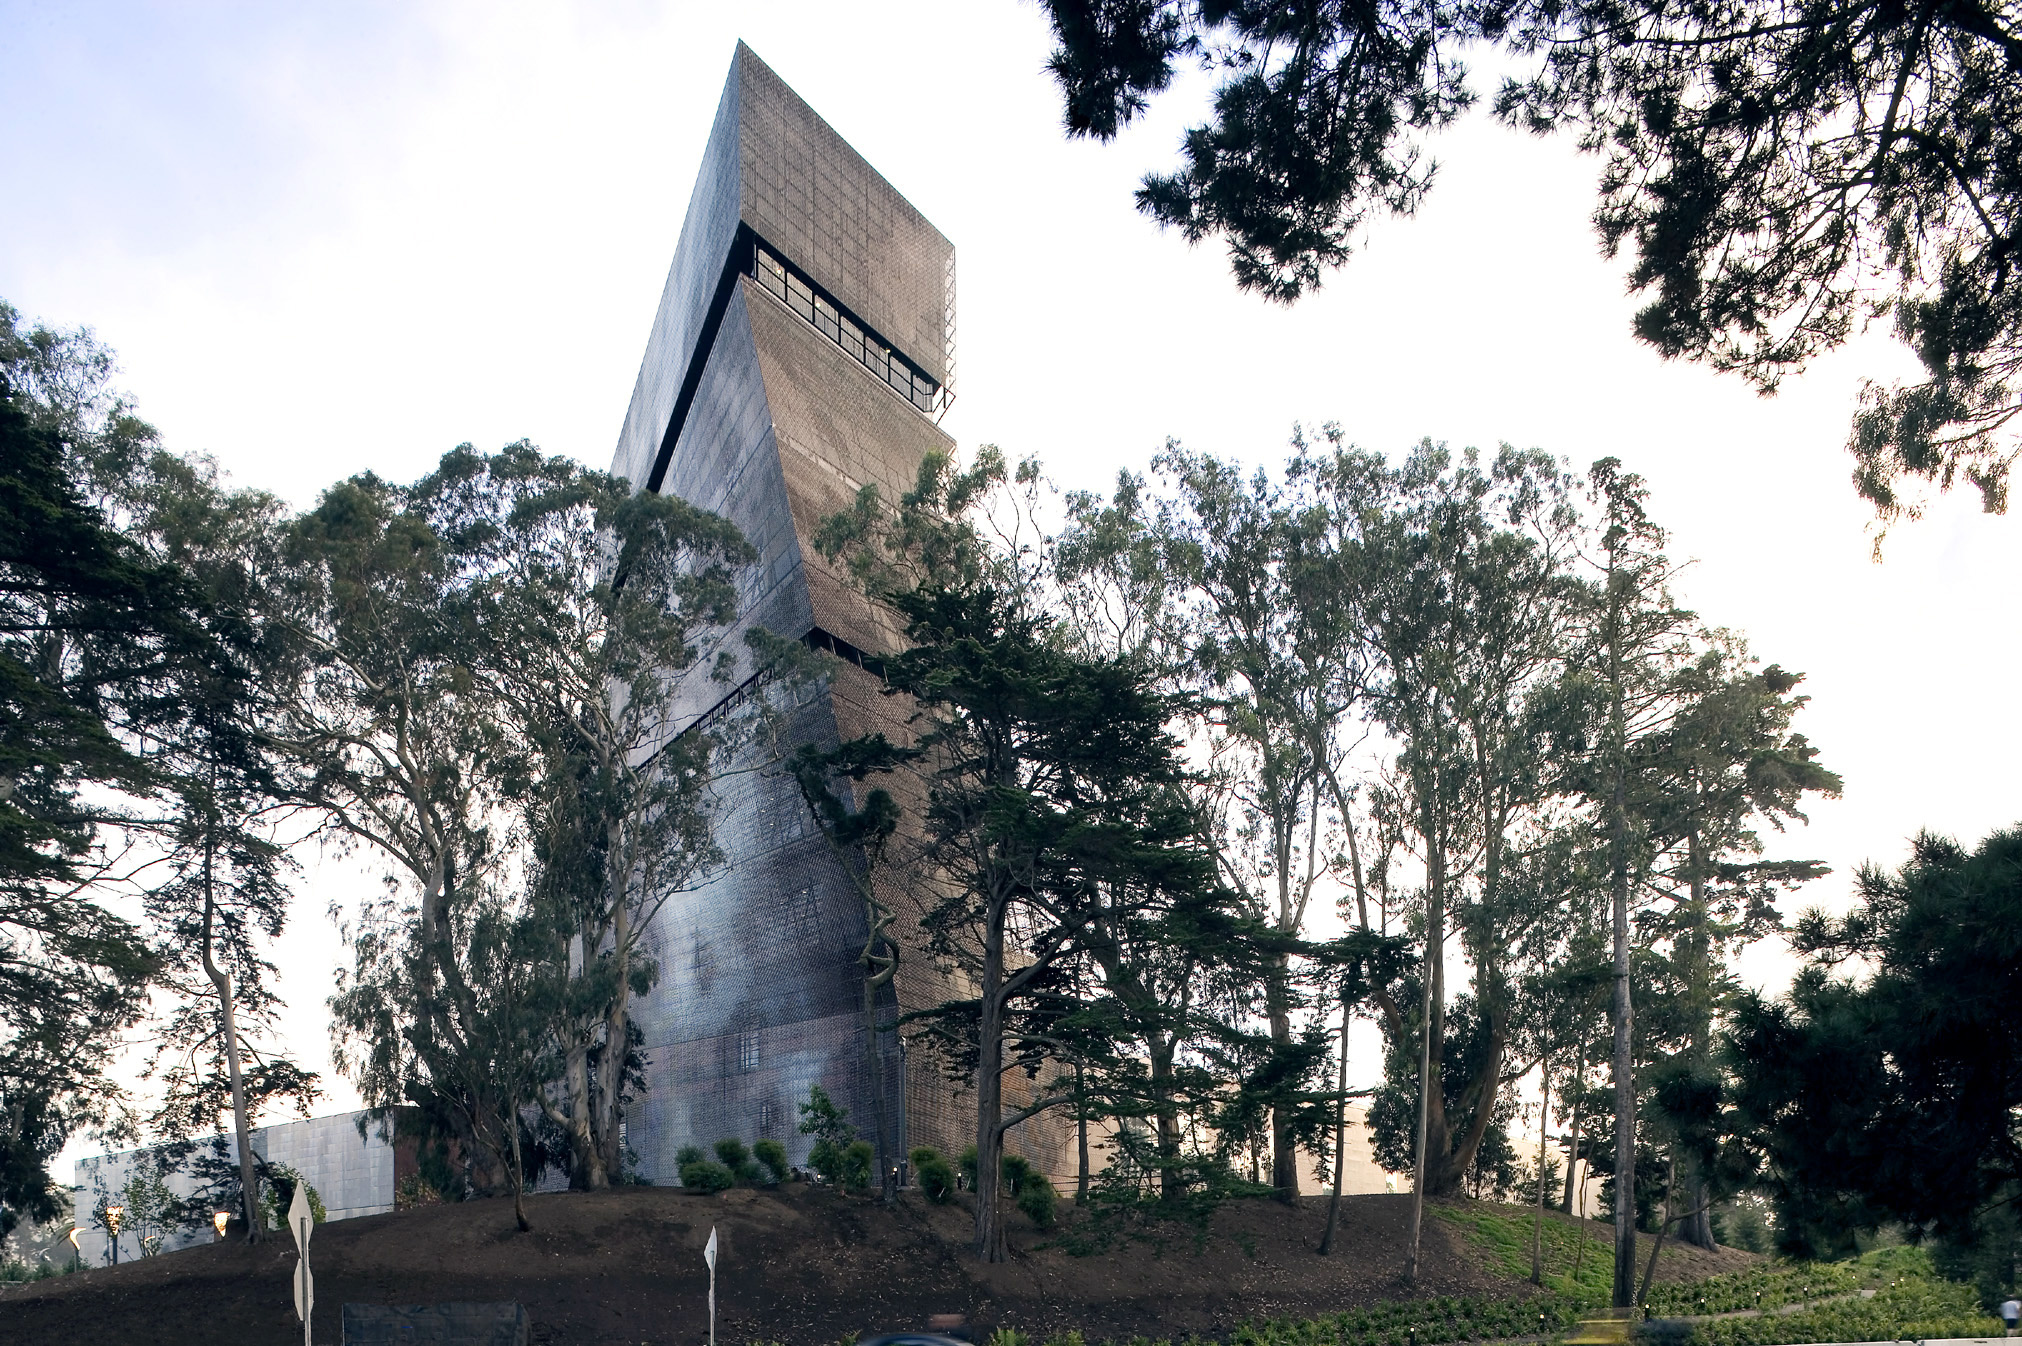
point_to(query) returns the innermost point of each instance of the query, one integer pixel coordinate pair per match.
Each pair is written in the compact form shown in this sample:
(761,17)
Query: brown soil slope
(801,1266)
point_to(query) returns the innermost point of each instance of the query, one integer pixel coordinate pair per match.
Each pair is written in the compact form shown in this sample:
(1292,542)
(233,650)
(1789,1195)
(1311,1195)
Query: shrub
(823,1119)
(934,1174)
(773,1155)
(826,1159)
(704,1175)
(733,1156)
(857,1161)
(967,1163)
(1036,1198)
(688,1154)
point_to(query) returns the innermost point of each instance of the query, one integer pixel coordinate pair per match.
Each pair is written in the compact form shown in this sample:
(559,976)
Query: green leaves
(1782,174)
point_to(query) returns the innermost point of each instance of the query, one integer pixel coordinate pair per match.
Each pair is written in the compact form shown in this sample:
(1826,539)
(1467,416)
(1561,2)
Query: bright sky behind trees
(331,238)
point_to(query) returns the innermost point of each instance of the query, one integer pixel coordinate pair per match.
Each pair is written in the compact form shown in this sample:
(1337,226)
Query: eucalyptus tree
(498,648)
(1052,780)
(1783,173)
(1274,678)
(394,740)
(223,857)
(587,604)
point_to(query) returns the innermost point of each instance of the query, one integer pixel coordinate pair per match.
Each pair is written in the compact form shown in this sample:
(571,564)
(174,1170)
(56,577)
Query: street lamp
(112,1214)
(220,1219)
(76,1253)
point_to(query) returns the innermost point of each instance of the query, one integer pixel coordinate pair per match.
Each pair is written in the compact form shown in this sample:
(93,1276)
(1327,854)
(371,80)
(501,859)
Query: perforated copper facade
(772,404)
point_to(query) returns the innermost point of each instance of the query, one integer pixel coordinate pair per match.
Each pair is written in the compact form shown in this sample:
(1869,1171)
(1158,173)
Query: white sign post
(302,1222)
(709,1256)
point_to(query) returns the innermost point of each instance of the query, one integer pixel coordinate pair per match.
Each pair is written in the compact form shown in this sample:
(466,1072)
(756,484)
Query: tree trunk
(1159,1046)
(1697,1228)
(1624,1062)
(1573,1141)
(1424,1105)
(249,1184)
(1340,1136)
(519,1183)
(1663,1228)
(1080,1138)
(990,1091)
(1544,1129)
(1625,1111)
(874,1080)
(1284,1149)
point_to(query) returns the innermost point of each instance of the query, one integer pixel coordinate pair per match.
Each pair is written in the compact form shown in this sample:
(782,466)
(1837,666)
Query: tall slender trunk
(990,1090)
(1697,1228)
(1081,1138)
(1624,1063)
(1340,1136)
(249,1186)
(1425,1089)
(1544,1128)
(1573,1141)
(1284,1146)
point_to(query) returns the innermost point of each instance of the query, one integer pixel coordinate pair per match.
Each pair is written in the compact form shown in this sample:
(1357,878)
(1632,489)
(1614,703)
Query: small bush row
(761,1165)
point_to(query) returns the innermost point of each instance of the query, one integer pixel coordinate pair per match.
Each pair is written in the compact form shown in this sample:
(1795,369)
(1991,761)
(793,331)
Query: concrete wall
(353,1175)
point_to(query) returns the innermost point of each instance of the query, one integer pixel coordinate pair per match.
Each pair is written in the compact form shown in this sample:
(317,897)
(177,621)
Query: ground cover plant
(1888,1295)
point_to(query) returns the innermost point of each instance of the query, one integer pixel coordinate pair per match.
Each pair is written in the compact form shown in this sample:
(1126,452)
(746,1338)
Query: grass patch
(1507,1235)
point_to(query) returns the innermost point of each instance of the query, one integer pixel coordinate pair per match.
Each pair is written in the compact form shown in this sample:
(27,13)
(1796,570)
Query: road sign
(302,1223)
(709,1256)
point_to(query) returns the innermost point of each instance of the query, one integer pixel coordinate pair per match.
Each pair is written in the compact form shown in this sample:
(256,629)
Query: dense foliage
(1782,171)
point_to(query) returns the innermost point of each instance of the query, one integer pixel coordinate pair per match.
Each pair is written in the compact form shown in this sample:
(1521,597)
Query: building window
(785,283)
(768,1117)
(747,1049)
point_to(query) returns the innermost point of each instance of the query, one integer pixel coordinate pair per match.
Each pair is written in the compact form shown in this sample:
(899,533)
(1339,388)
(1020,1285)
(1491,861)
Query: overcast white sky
(326,239)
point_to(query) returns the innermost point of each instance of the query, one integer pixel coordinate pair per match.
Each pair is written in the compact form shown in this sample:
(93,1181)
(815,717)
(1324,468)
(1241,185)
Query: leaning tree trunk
(249,1184)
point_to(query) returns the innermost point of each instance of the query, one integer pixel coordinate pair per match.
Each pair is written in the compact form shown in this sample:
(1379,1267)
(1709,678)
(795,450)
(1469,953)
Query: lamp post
(219,1219)
(76,1253)
(112,1214)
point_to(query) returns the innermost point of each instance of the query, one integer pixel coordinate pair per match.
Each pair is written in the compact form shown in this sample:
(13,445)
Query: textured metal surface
(759,993)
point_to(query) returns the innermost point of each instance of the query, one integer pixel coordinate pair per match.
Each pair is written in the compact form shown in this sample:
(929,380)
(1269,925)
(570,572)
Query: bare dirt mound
(803,1266)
